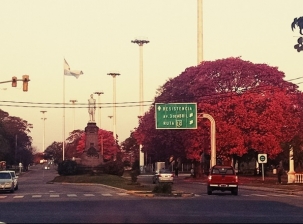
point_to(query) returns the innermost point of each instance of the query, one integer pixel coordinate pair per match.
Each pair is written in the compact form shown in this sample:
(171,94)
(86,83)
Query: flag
(67,71)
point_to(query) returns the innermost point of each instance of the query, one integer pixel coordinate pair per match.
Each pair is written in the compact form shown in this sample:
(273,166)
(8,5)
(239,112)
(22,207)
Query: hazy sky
(95,36)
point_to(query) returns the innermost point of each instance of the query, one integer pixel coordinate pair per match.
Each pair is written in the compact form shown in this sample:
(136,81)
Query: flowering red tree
(105,140)
(253,107)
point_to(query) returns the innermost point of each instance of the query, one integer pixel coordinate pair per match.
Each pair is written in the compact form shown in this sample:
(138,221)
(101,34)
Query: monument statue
(91,108)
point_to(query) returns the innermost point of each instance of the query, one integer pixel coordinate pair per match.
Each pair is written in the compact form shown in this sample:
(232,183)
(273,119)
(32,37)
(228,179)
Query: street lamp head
(99,93)
(113,73)
(140,40)
(73,101)
(43,111)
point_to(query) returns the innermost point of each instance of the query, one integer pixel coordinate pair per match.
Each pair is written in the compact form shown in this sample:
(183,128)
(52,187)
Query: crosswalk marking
(71,195)
(19,196)
(37,196)
(54,195)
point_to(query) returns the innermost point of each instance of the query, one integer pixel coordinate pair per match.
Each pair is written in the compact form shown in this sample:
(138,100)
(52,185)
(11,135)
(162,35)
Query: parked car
(15,177)
(6,181)
(222,178)
(163,176)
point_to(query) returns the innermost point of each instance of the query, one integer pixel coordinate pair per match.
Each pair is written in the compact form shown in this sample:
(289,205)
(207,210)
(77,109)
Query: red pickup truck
(222,178)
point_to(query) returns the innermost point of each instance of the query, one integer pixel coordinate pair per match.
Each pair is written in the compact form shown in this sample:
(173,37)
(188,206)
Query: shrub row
(70,167)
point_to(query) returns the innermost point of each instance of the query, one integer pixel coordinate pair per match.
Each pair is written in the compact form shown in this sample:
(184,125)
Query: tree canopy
(252,105)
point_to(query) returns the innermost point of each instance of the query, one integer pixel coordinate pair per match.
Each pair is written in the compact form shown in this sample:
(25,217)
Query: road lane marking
(19,196)
(89,195)
(3,196)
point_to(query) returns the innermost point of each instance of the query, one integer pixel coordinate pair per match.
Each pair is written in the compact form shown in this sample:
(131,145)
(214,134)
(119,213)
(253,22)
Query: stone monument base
(91,156)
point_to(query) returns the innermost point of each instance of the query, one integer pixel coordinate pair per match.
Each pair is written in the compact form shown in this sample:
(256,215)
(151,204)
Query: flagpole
(63,142)
(76,74)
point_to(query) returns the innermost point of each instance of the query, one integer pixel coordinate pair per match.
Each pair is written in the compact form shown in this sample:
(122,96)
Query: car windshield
(164,171)
(223,171)
(5,176)
(13,174)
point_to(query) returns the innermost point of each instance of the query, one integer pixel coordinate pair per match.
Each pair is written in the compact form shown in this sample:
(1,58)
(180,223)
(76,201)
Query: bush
(114,168)
(134,175)
(67,167)
(163,188)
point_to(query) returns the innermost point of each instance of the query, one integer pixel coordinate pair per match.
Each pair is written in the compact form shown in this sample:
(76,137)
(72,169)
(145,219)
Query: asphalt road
(37,201)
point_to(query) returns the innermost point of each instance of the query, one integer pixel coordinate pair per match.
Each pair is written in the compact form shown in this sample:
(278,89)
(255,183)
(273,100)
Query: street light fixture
(114,74)
(141,41)
(99,106)
(43,118)
(73,102)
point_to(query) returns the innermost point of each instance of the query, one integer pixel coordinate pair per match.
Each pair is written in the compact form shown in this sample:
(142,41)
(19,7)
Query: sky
(95,36)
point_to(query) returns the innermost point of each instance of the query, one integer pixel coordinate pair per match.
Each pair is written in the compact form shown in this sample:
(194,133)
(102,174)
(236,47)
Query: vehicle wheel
(234,191)
(17,187)
(154,181)
(12,191)
(209,191)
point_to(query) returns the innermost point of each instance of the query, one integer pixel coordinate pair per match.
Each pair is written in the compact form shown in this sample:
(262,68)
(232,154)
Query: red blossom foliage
(253,108)
(105,140)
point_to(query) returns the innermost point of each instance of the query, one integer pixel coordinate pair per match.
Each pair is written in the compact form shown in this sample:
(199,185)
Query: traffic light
(25,79)
(14,81)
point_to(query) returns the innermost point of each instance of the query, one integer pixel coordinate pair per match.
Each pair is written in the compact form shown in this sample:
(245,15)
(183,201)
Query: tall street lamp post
(73,102)
(99,106)
(110,123)
(200,31)
(43,118)
(114,74)
(141,42)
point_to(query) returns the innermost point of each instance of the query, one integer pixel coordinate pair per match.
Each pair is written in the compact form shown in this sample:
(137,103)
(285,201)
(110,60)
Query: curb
(151,194)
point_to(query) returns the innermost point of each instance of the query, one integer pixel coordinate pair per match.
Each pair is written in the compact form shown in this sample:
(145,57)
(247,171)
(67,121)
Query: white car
(15,177)
(163,176)
(6,181)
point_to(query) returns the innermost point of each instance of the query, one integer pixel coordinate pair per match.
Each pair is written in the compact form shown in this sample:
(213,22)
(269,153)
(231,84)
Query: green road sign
(176,115)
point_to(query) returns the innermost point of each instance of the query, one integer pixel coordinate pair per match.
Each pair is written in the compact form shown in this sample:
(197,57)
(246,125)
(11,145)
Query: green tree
(54,151)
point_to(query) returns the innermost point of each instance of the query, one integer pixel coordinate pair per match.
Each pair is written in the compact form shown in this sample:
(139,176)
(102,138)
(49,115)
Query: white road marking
(71,195)
(89,195)
(37,196)
(19,196)
(54,195)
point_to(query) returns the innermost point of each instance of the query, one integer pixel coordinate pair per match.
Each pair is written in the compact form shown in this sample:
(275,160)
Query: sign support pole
(263,172)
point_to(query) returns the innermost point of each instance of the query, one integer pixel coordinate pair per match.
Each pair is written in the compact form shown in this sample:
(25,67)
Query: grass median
(123,182)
